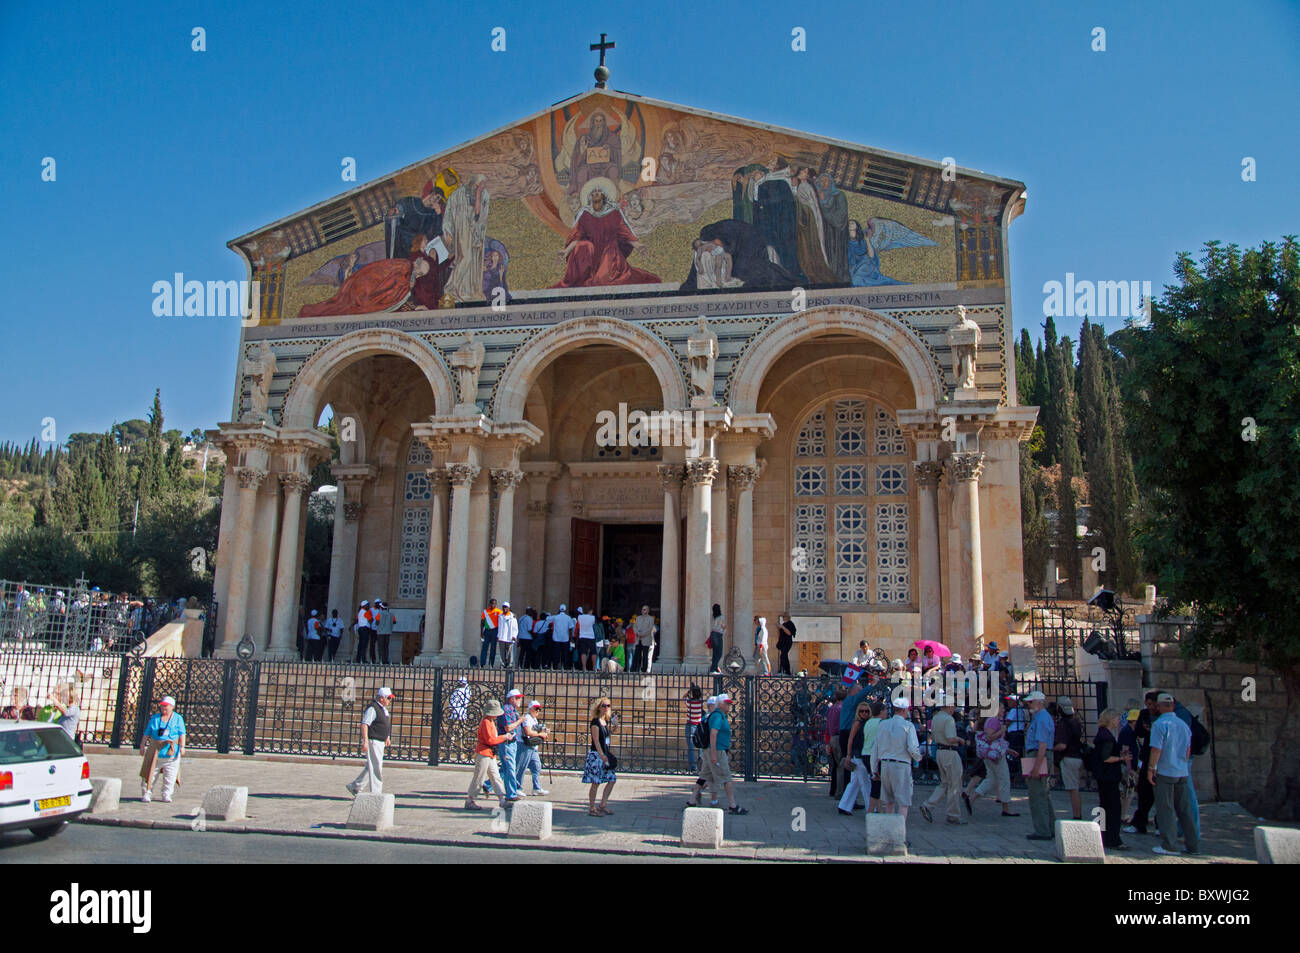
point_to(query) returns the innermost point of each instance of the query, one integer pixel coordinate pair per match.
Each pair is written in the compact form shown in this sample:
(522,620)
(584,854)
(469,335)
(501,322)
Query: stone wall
(1241,732)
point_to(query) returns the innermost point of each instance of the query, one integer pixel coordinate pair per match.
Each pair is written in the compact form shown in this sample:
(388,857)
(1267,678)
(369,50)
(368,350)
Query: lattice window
(417,487)
(812,438)
(851,508)
(413,565)
(419,455)
(891,479)
(893,556)
(890,441)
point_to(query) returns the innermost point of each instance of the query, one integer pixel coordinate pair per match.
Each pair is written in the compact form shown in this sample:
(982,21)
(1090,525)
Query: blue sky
(164,154)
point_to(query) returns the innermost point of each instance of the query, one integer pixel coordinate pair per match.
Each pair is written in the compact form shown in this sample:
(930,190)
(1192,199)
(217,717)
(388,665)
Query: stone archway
(905,345)
(529,361)
(307,392)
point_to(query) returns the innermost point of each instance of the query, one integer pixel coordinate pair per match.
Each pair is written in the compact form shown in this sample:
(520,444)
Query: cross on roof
(602,71)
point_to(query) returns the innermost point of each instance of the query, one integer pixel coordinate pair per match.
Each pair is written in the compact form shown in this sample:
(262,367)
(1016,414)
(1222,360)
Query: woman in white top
(717,632)
(760,644)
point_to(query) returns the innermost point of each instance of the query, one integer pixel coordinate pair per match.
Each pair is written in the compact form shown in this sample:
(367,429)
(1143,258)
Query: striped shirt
(694,710)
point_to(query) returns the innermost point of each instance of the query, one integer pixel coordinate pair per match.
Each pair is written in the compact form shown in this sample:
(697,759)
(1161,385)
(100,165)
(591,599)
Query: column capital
(352,510)
(250,478)
(671,475)
(701,472)
(294,483)
(743,476)
(966,465)
(506,479)
(927,473)
(438,477)
(462,474)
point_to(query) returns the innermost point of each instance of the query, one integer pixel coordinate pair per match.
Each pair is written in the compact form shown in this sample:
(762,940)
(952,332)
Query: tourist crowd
(89,620)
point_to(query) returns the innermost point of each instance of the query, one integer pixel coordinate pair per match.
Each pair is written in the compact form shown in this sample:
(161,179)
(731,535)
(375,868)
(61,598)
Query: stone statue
(466,362)
(702,352)
(259,368)
(964,339)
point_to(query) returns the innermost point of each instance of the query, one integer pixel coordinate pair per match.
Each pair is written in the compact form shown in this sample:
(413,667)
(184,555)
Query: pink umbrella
(940,650)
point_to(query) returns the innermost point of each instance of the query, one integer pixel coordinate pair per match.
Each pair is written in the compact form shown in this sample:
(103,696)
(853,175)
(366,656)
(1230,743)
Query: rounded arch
(307,392)
(904,344)
(531,359)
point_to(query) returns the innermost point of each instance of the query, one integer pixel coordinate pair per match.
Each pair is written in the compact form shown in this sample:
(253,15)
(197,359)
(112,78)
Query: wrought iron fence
(1054,638)
(303,708)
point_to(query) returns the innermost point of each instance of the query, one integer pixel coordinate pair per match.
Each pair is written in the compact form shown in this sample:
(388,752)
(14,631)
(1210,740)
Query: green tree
(1212,395)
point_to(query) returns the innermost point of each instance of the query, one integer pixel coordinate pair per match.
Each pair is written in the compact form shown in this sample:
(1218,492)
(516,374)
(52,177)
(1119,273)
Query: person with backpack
(1108,767)
(1200,745)
(700,740)
(1171,744)
(1069,748)
(718,757)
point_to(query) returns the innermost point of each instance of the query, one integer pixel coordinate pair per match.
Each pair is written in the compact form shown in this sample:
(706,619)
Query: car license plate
(51,803)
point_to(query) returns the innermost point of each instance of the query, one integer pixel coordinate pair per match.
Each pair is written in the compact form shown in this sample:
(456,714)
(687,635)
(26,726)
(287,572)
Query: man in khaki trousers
(943,729)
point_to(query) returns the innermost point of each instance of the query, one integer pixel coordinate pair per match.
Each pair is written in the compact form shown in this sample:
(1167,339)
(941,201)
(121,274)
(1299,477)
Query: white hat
(313,611)
(1034,697)
(1004,654)
(384,693)
(513,692)
(956,656)
(724,697)
(462,680)
(562,607)
(712,701)
(365,602)
(534,704)
(505,605)
(901,703)
(168,700)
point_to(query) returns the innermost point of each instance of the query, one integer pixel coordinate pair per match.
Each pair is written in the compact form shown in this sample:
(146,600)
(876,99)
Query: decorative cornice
(702,471)
(505,480)
(250,478)
(966,465)
(438,477)
(462,474)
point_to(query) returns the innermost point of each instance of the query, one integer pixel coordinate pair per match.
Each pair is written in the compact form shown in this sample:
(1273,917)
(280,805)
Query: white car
(44,778)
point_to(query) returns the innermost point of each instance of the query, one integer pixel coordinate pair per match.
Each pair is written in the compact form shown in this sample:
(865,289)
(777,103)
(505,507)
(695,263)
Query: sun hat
(493,708)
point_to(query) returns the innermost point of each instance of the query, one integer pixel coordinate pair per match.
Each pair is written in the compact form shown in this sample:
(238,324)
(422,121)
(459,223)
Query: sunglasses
(605,705)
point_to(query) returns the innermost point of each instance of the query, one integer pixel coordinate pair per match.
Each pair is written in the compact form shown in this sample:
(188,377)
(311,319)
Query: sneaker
(737,810)
(713,803)
(1130,829)
(844,812)
(957,821)
(146,797)
(541,791)
(1160,850)
(471,806)
(166,800)
(925,812)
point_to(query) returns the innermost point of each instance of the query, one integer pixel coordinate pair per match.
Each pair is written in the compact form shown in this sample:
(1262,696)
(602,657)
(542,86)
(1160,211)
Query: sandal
(605,810)
(592,812)
(737,810)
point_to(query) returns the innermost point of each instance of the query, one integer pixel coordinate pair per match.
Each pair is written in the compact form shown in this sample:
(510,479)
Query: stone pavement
(307,797)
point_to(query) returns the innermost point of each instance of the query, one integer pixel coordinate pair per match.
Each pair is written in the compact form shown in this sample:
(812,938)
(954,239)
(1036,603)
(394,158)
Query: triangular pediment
(610,193)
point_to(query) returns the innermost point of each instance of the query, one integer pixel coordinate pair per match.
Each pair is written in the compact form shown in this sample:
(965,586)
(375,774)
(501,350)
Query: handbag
(613,761)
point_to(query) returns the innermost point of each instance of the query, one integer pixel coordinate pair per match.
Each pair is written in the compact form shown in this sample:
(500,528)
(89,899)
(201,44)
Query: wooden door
(585,572)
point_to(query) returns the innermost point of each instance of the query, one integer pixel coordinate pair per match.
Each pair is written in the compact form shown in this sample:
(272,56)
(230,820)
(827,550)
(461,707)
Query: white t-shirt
(586,626)
(363,619)
(507,628)
(334,626)
(561,626)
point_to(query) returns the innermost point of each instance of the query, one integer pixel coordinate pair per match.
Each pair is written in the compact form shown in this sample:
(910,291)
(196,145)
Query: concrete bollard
(886,835)
(702,827)
(530,820)
(226,802)
(1277,845)
(1079,842)
(371,812)
(105,795)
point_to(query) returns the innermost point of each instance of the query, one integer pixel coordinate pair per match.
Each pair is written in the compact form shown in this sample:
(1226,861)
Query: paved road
(90,844)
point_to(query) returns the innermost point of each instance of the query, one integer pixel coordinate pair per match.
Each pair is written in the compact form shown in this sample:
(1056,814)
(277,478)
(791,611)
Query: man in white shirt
(507,635)
(384,622)
(863,655)
(895,751)
(376,728)
(586,640)
(644,627)
(365,623)
(334,630)
(561,629)
(311,639)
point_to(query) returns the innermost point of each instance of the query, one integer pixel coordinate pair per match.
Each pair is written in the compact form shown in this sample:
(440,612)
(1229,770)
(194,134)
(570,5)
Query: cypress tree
(1026,388)
(1098,441)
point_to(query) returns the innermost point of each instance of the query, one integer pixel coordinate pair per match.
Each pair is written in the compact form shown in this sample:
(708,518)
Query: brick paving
(307,797)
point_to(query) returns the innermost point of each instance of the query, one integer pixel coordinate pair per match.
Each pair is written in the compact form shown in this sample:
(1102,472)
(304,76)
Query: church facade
(623,352)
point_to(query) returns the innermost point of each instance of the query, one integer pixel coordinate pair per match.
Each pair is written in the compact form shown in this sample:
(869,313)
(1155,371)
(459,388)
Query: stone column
(288,574)
(742,479)
(438,481)
(700,474)
(670,635)
(236,607)
(501,559)
(928,582)
(964,472)
(719,523)
(462,477)
(476,576)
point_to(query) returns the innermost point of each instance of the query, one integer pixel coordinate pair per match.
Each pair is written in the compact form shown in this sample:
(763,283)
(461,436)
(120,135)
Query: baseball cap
(505,605)
(1034,697)
(514,692)
(713,701)
(385,692)
(901,704)
(562,607)
(168,700)
(724,697)
(1164,697)
(1004,654)
(1065,705)
(313,611)
(365,602)
(534,704)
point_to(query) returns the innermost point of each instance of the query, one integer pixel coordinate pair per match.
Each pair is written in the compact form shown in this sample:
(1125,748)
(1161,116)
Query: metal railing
(313,709)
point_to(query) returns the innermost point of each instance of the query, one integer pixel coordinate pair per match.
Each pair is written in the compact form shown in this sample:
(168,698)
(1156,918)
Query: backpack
(702,732)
